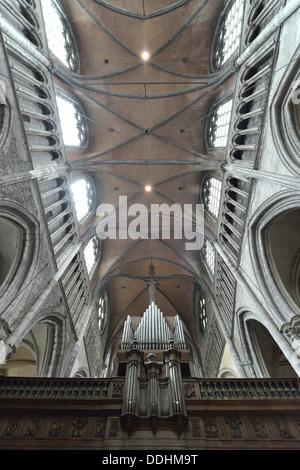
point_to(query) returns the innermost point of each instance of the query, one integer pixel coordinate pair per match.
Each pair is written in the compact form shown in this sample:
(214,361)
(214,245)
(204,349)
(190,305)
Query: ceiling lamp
(145,55)
(148,188)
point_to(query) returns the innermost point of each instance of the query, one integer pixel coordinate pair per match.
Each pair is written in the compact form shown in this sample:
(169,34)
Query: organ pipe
(153,331)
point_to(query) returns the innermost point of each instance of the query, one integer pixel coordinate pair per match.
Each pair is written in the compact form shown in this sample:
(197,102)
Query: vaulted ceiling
(146,126)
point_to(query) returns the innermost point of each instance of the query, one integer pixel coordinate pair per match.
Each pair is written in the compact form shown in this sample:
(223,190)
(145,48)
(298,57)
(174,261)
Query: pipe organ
(153,382)
(153,332)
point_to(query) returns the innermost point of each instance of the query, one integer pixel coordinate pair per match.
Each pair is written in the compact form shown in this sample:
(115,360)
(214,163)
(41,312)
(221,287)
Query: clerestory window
(92,254)
(209,256)
(73,123)
(83,197)
(211,195)
(102,312)
(229,33)
(59,35)
(218,125)
(202,313)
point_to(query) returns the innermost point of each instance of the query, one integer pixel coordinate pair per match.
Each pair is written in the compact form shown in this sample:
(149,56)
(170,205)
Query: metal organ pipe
(159,328)
(150,328)
(156,328)
(147,330)
(153,331)
(142,335)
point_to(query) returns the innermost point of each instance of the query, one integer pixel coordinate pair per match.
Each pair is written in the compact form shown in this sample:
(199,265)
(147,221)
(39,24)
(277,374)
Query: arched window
(83,197)
(211,191)
(102,312)
(91,254)
(73,123)
(218,125)
(202,312)
(209,256)
(229,32)
(59,35)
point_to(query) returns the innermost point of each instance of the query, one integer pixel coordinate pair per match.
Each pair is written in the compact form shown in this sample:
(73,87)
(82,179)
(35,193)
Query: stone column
(278,20)
(228,339)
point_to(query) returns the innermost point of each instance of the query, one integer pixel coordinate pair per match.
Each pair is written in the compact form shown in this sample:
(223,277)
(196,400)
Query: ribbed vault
(146,126)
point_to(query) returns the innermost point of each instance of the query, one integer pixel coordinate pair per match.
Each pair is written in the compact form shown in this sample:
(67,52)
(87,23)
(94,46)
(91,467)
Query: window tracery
(92,254)
(229,33)
(209,256)
(73,124)
(218,124)
(202,312)
(102,312)
(59,35)
(211,195)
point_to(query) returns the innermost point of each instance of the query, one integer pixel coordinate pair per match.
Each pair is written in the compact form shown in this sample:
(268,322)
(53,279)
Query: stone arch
(40,351)
(285,113)
(275,245)
(5,115)
(19,251)
(265,357)
(81,373)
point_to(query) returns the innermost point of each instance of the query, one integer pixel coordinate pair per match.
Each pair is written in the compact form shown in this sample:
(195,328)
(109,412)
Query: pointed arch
(19,252)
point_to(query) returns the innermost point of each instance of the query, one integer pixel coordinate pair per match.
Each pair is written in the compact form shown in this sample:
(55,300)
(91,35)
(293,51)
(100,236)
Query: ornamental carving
(33,427)
(196,427)
(117,390)
(78,427)
(55,429)
(189,390)
(211,429)
(259,430)
(11,427)
(114,428)
(234,426)
(101,428)
(282,430)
